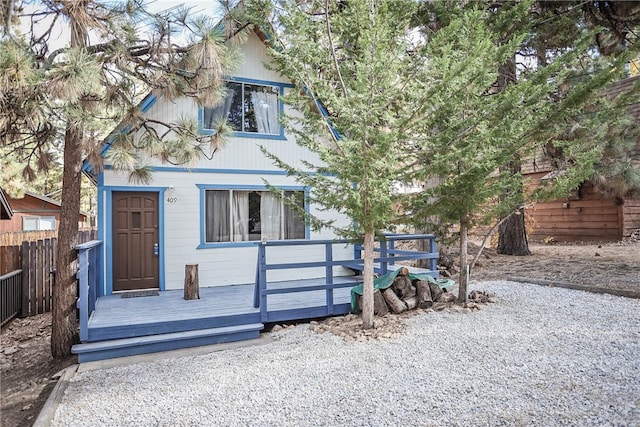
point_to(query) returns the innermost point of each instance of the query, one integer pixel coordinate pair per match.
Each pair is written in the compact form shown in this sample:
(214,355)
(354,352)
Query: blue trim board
(204,187)
(278,172)
(108,238)
(144,106)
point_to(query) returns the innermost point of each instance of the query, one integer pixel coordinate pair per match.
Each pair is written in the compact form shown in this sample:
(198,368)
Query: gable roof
(151,99)
(143,106)
(5,208)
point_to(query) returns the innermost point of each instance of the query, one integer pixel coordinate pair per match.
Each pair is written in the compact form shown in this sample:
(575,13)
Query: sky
(60,35)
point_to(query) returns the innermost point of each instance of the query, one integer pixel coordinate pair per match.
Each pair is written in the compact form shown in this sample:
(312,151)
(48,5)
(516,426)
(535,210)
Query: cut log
(423,294)
(403,271)
(436,291)
(380,307)
(411,303)
(396,305)
(447,297)
(191,282)
(403,287)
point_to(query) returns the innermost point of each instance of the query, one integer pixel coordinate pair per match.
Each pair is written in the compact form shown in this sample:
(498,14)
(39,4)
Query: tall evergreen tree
(470,125)
(558,25)
(57,90)
(350,58)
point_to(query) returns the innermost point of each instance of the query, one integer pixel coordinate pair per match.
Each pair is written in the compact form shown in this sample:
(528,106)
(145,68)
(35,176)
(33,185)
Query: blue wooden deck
(112,326)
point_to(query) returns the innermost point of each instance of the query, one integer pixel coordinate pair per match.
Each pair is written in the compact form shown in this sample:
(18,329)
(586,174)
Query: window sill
(250,135)
(238,244)
(228,245)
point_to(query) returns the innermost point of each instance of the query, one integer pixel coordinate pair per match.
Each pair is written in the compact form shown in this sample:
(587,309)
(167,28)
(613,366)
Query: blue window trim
(281,86)
(204,187)
(107,235)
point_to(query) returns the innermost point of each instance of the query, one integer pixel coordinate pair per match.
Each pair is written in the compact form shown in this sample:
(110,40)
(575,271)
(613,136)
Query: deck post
(256,287)
(262,279)
(384,264)
(328,254)
(83,300)
(433,262)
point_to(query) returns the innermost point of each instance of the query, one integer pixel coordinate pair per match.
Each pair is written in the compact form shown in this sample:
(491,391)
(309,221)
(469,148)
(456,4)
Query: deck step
(99,333)
(110,349)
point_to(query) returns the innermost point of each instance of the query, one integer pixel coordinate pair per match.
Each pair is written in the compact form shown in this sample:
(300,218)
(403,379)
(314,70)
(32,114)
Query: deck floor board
(216,301)
(123,315)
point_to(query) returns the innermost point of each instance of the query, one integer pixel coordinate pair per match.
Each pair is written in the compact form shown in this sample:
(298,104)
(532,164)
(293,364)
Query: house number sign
(172,200)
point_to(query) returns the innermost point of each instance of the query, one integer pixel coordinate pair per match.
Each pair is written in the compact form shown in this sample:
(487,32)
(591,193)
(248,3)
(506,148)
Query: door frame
(108,236)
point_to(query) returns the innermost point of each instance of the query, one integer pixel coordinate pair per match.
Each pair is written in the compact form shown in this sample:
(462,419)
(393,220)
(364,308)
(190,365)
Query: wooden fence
(11,254)
(27,276)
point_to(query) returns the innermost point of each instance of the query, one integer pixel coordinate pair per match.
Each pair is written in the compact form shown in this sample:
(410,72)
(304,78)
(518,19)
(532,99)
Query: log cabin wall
(630,216)
(586,216)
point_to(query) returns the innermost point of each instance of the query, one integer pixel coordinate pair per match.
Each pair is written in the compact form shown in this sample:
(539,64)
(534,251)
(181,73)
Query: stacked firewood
(406,294)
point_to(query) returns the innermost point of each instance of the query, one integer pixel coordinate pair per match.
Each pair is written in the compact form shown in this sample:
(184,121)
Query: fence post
(39,277)
(24,312)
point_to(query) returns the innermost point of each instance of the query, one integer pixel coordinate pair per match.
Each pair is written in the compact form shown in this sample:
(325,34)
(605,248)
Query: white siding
(226,265)
(181,225)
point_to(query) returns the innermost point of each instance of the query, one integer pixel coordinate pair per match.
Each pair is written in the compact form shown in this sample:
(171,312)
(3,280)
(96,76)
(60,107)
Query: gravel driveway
(538,356)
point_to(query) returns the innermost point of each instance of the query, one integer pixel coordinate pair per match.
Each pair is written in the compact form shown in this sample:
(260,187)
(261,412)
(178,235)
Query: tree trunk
(367,279)
(513,236)
(64,325)
(191,282)
(464,273)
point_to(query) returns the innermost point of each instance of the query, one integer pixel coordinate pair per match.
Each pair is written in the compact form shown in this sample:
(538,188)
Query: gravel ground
(538,356)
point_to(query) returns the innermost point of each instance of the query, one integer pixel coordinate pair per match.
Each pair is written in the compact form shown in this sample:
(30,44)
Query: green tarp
(386,280)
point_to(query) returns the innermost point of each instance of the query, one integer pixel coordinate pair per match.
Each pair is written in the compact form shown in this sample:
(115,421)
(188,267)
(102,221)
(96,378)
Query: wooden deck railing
(385,247)
(88,270)
(389,255)
(10,295)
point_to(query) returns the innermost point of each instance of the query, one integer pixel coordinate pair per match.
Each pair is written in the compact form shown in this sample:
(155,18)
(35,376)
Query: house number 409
(172,200)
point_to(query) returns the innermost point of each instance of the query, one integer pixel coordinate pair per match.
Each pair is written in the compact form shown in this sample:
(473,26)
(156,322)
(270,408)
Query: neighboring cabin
(33,212)
(586,214)
(216,212)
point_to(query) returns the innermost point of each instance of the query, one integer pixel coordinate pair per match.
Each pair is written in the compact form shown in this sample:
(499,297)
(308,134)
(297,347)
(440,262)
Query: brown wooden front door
(135,240)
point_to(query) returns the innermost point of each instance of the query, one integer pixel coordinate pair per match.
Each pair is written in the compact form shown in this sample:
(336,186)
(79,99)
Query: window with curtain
(240,216)
(249,108)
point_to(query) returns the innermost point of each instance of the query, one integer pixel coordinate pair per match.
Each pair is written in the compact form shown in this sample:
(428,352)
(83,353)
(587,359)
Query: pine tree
(349,58)
(558,25)
(66,94)
(471,126)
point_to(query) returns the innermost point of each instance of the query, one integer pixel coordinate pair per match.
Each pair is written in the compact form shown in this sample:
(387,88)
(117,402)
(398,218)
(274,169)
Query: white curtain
(240,216)
(217,216)
(294,226)
(270,216)
(265,107)
(212,115)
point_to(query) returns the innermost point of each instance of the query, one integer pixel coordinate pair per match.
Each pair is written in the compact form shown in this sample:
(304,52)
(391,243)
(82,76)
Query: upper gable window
(252,110)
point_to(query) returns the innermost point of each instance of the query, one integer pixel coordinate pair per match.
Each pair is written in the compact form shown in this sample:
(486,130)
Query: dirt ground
(27,371)
(606,265)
